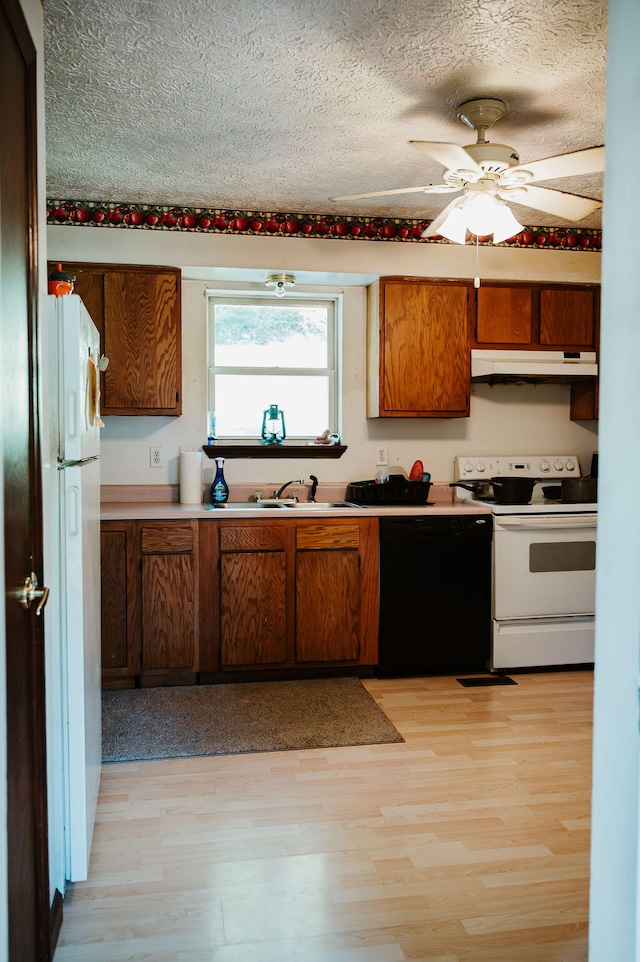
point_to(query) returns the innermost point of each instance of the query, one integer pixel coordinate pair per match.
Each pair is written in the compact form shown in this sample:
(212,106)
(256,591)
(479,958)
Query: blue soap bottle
(219,489)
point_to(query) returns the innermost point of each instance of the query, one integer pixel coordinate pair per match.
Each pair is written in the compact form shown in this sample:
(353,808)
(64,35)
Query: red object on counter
(416,471)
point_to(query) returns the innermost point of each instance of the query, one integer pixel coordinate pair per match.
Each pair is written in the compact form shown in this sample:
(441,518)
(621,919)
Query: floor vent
(485,681)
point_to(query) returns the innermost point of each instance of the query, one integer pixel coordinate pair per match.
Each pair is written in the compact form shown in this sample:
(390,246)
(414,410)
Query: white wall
(504,418)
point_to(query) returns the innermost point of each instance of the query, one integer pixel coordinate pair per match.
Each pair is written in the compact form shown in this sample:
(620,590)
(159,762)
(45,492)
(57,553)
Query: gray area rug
(145,723)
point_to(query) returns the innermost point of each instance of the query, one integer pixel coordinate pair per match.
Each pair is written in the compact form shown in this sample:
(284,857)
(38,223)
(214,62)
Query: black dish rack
(388,492)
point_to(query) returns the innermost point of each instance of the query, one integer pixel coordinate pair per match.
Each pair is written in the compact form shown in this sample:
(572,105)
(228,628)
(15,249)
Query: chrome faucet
(278,493)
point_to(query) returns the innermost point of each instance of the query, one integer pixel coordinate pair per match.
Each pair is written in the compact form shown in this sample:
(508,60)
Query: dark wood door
(28,900)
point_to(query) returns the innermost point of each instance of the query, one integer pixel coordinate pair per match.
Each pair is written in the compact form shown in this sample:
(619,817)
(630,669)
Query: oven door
(544,565)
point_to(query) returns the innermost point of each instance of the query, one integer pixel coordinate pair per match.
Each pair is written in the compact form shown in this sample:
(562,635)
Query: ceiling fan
(490,175)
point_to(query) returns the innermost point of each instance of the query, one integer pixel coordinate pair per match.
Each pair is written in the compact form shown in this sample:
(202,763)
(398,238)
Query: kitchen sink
(283,503)
(323,505)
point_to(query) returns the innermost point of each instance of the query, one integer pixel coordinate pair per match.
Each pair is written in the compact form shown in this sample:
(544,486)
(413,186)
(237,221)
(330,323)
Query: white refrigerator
(77,419)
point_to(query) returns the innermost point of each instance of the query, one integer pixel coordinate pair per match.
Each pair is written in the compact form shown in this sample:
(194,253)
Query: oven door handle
(566,521)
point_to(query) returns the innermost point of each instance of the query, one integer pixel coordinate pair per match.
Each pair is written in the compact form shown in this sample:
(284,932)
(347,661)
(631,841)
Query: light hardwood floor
(467,843)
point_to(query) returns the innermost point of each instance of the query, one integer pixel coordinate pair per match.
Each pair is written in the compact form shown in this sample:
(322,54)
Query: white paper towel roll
(190,477)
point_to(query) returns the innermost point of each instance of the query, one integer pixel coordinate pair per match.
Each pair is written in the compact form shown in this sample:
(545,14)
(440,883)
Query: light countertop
(167,511)
(140,503)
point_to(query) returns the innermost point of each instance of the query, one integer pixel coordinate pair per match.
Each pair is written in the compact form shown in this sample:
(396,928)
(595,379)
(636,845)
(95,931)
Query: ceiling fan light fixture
(482,214)
(481,211)
(505,224)
(280,282)
(455,226)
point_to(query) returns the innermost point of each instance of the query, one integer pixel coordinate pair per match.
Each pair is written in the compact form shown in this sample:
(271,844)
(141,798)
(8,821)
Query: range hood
(515,366)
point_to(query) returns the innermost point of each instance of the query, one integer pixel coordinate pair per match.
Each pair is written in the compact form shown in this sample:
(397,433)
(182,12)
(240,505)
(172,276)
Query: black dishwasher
(435,594)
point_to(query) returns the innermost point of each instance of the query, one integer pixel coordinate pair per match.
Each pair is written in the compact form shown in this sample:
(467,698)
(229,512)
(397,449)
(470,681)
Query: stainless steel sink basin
(280,505)
(323,505)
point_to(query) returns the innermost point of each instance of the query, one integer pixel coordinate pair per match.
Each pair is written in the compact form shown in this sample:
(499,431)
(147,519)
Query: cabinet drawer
(330,535)
(167,538)
(240,537)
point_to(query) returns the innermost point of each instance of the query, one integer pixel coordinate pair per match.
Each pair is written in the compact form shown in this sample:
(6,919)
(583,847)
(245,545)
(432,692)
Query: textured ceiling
(277,105)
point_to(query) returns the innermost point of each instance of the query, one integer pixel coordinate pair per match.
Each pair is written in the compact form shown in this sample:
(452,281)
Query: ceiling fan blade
(571,206)
(427,189)
(438,221)
(451,156)
(589,161)
(384,193)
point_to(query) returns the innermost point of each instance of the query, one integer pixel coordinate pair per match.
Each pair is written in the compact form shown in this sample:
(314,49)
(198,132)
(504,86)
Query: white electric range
(544,558)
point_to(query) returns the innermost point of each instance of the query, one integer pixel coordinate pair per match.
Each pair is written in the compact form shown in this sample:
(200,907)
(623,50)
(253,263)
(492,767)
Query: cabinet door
(568,317)
(142,339)
(169,596)
(119,604)
(585,398)
(423,363)
(334,604)
(504,315)
(89,285)
(137,310)
(253,596)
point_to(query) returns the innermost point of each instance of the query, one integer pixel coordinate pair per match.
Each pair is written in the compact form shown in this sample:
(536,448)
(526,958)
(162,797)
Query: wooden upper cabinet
(418,348)
(568,317)
(504,315)
(537,316)
(137,310)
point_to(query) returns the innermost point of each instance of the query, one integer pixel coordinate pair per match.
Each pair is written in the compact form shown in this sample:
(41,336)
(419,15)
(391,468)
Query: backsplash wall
(504,418)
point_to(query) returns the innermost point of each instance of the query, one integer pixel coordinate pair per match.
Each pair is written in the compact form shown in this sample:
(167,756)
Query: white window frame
(333,371)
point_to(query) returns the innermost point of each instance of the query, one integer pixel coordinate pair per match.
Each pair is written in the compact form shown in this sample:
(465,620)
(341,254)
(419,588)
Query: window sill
(255,449)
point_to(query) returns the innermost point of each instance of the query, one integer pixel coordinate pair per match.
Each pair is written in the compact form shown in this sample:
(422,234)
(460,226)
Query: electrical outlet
(381,455)
(155,457)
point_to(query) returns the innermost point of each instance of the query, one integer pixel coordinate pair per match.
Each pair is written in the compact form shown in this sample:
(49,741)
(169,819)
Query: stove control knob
(467,466)
(544,466)
(480,466)
(558,465)
(570,466)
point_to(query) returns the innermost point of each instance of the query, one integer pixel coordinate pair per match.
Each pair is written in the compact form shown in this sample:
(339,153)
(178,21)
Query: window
(264,350)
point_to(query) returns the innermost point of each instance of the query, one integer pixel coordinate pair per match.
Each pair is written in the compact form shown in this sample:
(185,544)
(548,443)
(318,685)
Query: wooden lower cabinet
(150,617)
(182,599)
(295,595)
(253,595)
(120,622)
(328,593)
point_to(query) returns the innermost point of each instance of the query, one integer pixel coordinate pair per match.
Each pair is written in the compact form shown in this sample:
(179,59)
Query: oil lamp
(273,430)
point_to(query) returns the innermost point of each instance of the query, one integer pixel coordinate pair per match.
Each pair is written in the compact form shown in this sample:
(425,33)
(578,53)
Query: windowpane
(270,336)
(262,352)
(241,400)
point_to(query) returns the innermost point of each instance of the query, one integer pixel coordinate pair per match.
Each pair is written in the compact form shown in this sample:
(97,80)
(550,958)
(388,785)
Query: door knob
(29,591)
